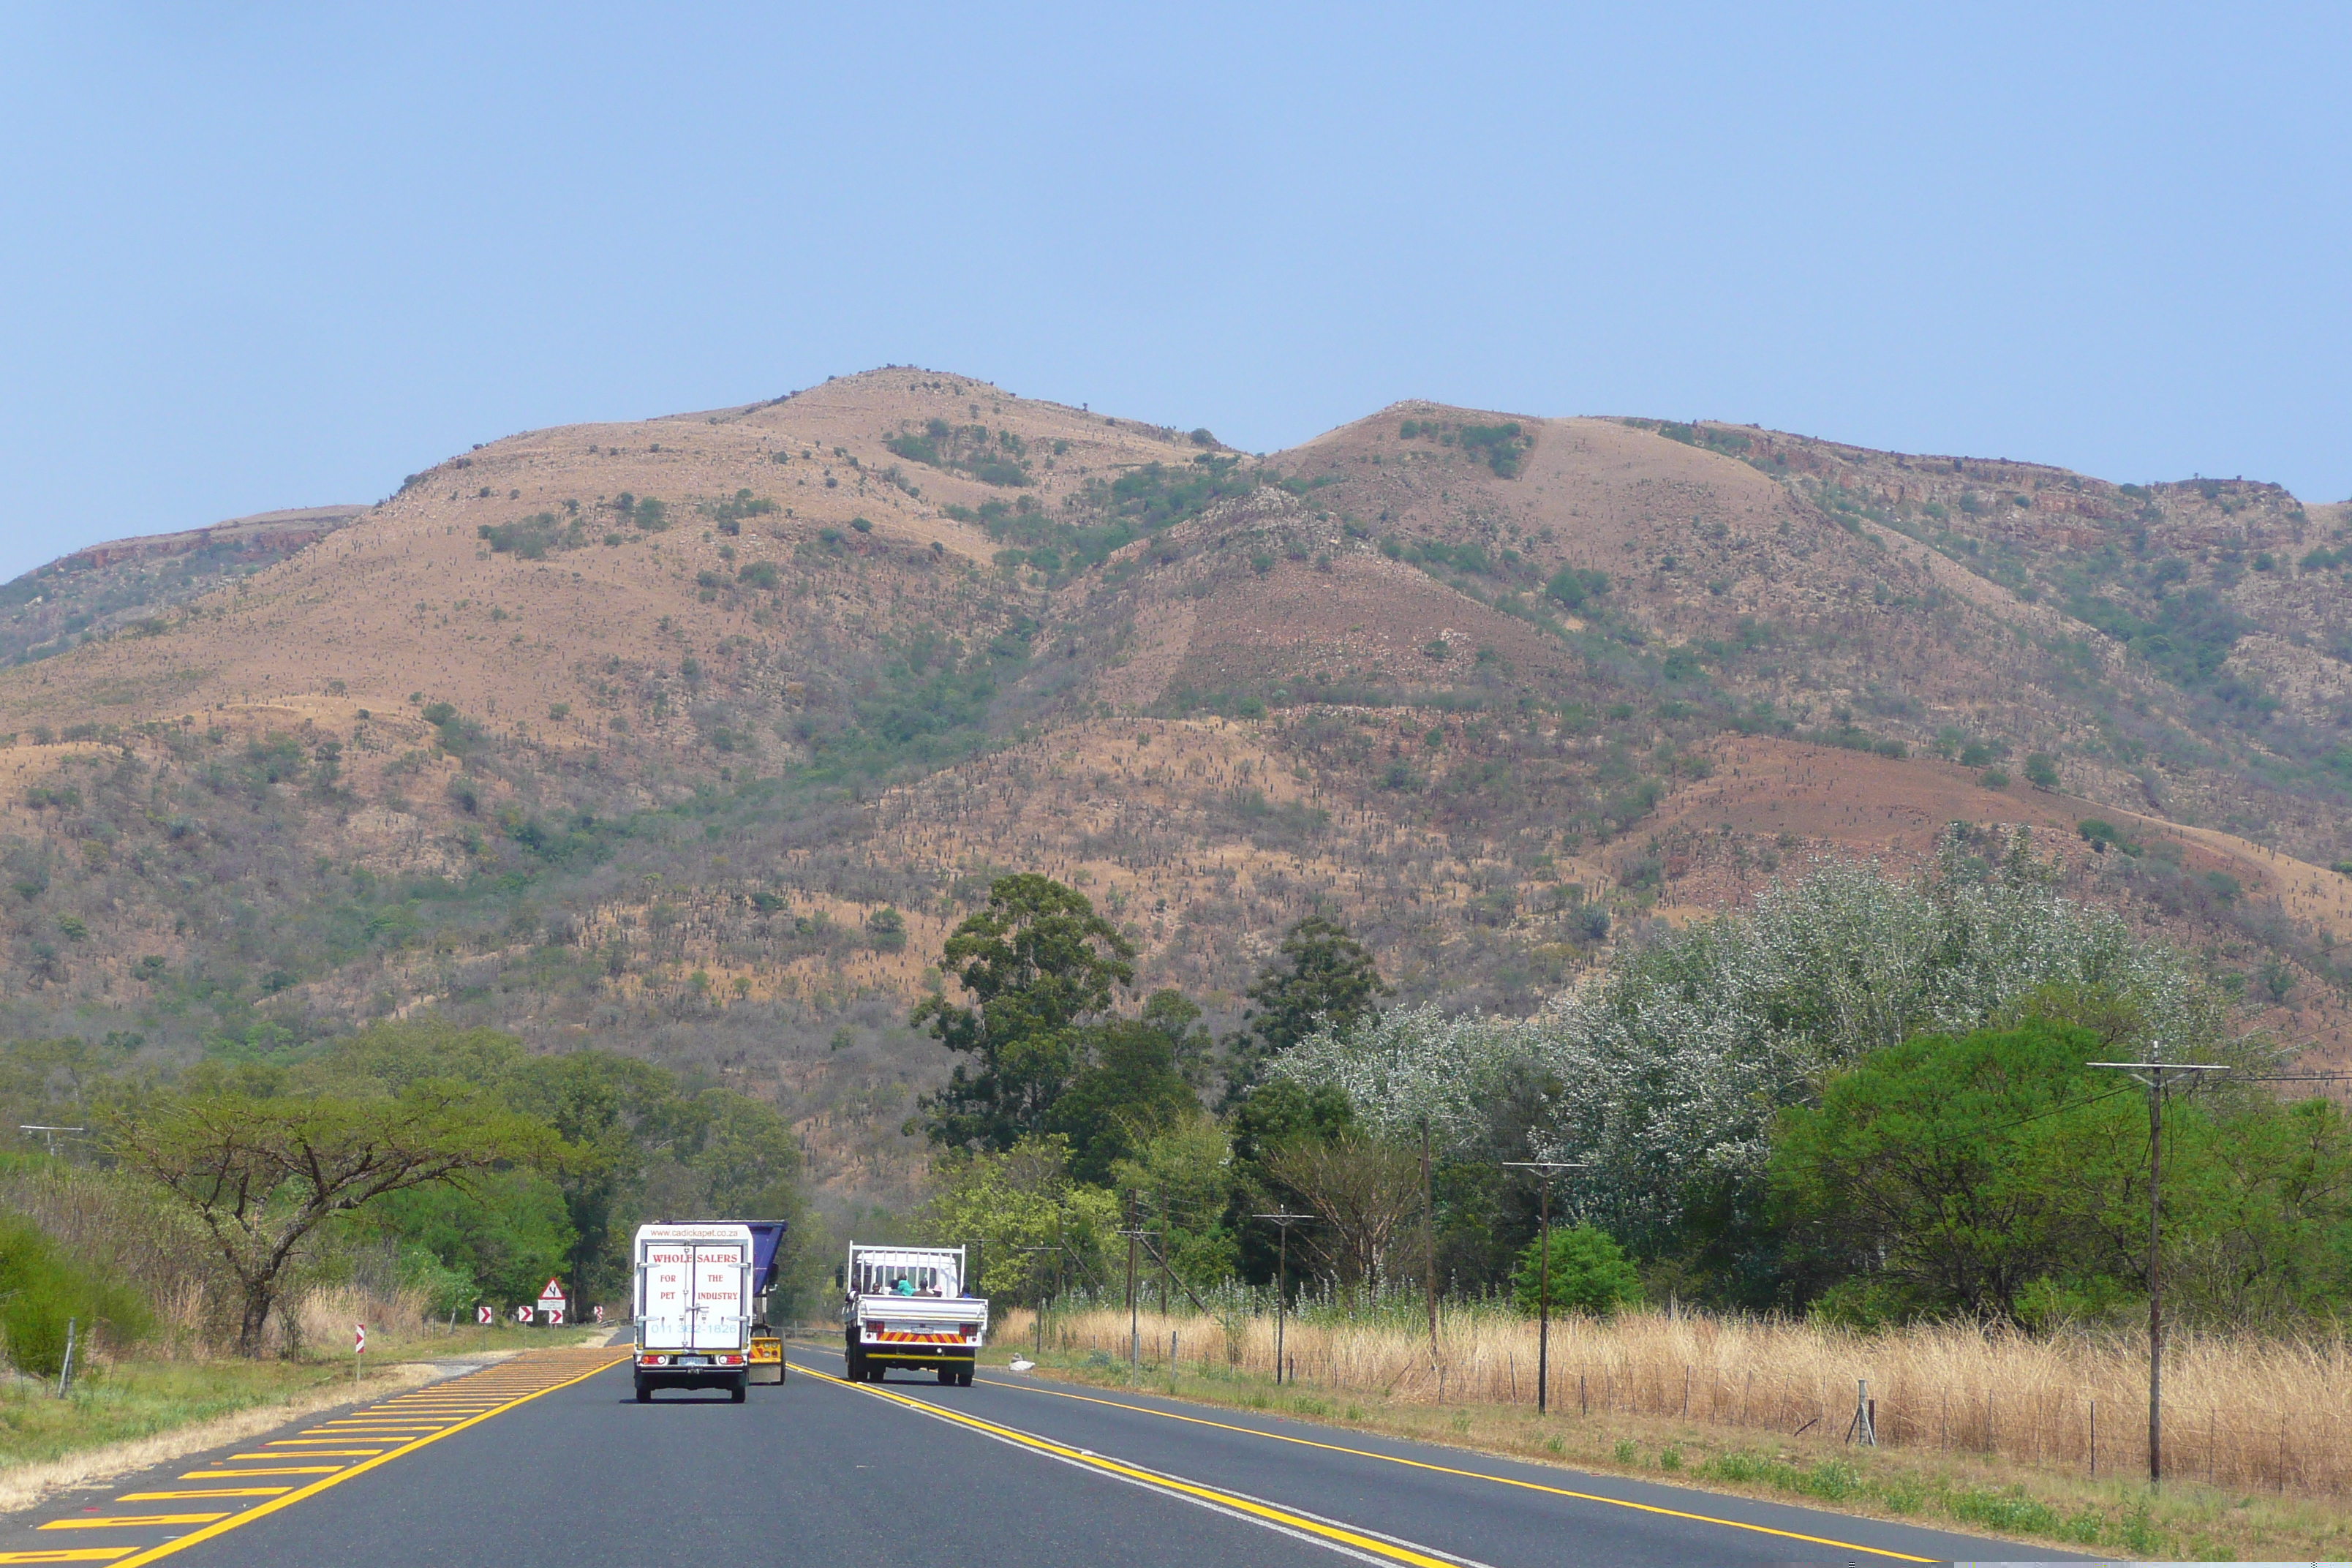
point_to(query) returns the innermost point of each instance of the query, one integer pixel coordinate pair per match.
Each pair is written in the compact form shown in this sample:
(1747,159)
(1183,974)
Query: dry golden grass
(2244,1412)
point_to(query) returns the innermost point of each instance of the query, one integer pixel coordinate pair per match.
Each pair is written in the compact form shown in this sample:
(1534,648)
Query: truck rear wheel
(963,1378)
(740,1388)
(948,1375)
(645,1392)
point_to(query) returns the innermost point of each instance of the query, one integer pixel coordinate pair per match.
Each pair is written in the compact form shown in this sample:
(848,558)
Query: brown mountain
(633,733)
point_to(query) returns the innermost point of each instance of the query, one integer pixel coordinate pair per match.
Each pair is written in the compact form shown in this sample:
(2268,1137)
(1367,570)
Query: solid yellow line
(129,1520)
(1224,1499)
(315,1488)
(216,1491)
(1474,1474)
(67,1554)
(279,1470)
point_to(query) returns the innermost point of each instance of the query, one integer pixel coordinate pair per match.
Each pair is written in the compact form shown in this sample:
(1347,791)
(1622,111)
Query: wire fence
(2245,1411)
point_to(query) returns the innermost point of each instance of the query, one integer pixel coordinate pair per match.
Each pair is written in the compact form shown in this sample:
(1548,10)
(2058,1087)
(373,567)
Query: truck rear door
(721,1308)
(667,1282)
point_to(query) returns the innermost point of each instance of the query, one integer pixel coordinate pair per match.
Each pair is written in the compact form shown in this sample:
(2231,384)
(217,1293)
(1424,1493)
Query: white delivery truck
(907,1306)
(694,1308)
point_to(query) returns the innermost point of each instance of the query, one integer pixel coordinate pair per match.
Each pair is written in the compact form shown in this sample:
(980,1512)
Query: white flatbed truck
(907,1307)
(695,1308)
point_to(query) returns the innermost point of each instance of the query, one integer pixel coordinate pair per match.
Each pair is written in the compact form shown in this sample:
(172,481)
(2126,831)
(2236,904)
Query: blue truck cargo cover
(767,1236)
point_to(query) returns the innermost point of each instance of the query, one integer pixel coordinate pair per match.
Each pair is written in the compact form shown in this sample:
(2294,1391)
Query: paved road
(547,1462)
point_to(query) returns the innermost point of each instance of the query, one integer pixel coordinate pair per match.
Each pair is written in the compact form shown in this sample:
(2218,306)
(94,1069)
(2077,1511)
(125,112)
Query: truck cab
(909,1307)
(695,1308)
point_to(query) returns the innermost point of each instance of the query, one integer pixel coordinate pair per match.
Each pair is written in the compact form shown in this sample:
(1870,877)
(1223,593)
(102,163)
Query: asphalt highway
(547,1461)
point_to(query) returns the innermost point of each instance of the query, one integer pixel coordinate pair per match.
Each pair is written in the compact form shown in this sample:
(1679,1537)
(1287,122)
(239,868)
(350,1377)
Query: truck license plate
(694,1361)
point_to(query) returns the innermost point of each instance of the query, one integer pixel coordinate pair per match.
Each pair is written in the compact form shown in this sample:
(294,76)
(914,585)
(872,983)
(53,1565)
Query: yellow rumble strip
(333,1451)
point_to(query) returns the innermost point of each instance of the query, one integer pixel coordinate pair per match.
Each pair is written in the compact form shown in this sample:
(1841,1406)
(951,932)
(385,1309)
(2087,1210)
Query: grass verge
(1995,1496)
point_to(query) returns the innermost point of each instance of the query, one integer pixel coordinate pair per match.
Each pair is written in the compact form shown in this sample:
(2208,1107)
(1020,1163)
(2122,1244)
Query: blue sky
(265,255)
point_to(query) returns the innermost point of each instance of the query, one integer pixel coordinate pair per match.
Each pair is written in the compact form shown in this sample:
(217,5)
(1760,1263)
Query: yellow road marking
(275,1470)
(68,1555)
(1451,1470)
(341,1474)
(129,1520)
(1230,1501)
(216,1491)
(358,1429)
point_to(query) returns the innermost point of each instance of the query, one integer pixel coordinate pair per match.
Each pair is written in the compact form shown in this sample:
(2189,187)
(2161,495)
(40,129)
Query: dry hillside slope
(694,736)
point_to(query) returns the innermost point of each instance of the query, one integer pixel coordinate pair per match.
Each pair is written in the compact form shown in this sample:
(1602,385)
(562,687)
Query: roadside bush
(41,1289)
(1590,1273)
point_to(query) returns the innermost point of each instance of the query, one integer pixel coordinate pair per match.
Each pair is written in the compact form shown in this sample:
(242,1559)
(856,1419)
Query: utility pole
(1544,1169)
(1162,1199)
(1282,1223)
(2151,1075)
(1133,1353)
(1429,1240)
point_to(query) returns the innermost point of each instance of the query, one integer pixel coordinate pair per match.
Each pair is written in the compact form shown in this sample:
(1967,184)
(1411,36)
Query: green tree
(1015,1200)
(262,1175)
(2041,770)
(1036,962)
(612,1112)
(1366,1194)
(1180,1181)
(1322,978)
(1127,1089)
(1957,1170)
(1277,1115)
(1174,1015)
(506,1231)
(1590,1273)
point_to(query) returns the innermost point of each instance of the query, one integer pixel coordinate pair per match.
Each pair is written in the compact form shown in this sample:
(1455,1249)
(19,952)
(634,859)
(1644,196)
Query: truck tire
(856,1364)
(948,1375)
(739,1389)
(645,1392)
(963,1378)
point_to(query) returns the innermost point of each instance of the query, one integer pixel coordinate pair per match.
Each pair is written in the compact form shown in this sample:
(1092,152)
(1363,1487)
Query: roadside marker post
(482,1314)
(359,1349)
